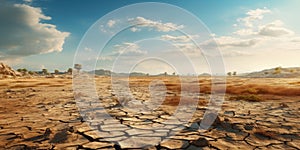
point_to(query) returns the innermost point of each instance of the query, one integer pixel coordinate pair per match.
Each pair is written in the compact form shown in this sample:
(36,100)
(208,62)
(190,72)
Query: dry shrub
(294,83)
(248,97)
(263,89)
(282,91)
(174,101)
(248,89)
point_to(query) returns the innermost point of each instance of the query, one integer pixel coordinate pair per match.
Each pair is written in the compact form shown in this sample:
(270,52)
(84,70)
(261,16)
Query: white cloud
(111,23)
(235,53)
(275,29)
(28,1)
(236,42)
(189,49)
(42,67)
(295,39)
(124,50)
(228,42)
(157,25)
(245,32)
(23,33)
(134,29)
(129,49)
(253,15)
(183,38)
(105,58)
(252,38)
(88,49)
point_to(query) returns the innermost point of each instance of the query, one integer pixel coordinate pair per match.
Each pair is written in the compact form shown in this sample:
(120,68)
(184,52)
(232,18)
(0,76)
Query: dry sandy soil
(41,113)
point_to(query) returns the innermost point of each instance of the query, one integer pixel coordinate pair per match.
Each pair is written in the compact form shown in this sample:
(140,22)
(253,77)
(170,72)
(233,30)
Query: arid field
(42,113)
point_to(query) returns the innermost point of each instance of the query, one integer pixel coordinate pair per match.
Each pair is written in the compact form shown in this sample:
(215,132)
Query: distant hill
(102,72)
(277,72)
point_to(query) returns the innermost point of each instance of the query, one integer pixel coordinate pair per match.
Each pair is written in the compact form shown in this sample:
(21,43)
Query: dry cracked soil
(46,113)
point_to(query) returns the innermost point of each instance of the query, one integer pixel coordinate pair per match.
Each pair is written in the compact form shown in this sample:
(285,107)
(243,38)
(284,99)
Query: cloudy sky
(250,35)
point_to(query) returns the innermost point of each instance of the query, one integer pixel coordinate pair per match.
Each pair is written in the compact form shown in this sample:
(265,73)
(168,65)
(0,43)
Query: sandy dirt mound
(5,70)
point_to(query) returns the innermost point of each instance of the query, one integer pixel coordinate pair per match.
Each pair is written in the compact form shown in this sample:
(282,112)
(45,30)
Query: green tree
(56,71)
(30,72)
(70,70)
(78,67)
(229,73)
(45,71)
(165,73)
(234,73)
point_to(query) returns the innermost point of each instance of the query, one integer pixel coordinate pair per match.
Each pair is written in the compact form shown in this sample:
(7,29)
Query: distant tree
(229,73)
(30,72)
(23,70)
(292,70)
(78,67)
(147,74)
(45,71)
(165,73)
(56,71)
(69,71)
(277,70)
(174,74)
(234,73)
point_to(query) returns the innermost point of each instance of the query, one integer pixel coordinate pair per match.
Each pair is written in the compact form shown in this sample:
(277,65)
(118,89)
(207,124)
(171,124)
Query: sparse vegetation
(56,71)
(45,71)
(78,67)
(247,97)
(69,71)
(30,72)
(277,70)
(292,70)
(22,70)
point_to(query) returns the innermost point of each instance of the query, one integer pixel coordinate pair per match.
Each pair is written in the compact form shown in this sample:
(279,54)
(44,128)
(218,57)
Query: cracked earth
(42,113)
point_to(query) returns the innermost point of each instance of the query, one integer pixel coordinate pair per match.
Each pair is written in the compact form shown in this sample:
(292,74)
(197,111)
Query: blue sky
(246,45)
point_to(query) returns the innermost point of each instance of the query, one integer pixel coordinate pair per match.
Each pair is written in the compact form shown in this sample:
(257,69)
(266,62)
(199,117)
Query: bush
(248,97)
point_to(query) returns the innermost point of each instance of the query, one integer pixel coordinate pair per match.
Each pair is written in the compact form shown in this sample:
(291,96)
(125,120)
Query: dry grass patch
(248,98)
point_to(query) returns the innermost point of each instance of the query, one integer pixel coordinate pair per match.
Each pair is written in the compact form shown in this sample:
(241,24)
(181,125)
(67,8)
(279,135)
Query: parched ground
(41,113)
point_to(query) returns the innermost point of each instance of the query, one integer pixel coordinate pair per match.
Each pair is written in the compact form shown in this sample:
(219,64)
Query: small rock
(249,127)
(201,142)
(97,145)
(174,144)
(229,113)
(283,105)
